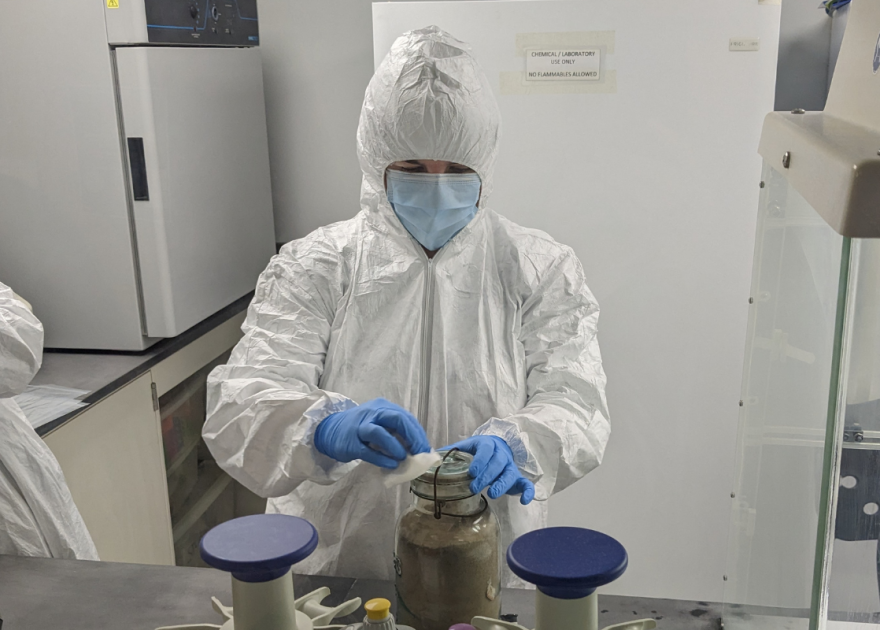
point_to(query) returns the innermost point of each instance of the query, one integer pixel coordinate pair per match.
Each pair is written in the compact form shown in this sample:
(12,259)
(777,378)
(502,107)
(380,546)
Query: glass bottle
(447,554)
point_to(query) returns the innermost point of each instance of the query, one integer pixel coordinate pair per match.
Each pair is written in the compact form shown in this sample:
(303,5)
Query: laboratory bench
(40,593)
(137,468)
(147,489)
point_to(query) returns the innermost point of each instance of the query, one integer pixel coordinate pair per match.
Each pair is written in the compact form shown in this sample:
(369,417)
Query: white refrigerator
(135,198)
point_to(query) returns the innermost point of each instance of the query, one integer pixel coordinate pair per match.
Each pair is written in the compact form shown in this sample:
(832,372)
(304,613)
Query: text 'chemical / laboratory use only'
(563,64)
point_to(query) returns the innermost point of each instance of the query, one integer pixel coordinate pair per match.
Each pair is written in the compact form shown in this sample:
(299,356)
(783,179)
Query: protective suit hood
(429,99)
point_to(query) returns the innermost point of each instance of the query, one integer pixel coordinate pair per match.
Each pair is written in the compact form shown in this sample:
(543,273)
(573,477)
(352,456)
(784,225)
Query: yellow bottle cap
(378,609)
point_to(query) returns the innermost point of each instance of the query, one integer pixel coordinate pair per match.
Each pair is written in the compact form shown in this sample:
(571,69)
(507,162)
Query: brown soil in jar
(448,569)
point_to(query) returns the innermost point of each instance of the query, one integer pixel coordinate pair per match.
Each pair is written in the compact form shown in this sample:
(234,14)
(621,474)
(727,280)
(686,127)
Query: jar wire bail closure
(437,506)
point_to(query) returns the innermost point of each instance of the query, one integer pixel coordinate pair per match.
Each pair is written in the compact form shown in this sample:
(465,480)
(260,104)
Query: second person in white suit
(37,514)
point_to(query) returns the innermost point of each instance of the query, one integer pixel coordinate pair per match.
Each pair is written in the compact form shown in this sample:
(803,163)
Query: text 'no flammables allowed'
(559,64)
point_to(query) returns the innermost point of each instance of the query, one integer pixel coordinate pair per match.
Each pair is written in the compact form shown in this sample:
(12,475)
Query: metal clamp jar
(447,553)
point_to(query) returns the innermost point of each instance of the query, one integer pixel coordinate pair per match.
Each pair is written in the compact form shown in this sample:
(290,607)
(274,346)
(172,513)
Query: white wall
(317,59)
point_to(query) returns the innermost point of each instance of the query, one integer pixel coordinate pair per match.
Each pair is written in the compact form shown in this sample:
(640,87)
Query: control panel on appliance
(202,22)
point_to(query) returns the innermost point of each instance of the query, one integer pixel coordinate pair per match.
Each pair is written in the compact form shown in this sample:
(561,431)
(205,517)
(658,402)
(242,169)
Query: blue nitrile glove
(493,467)
(368,431)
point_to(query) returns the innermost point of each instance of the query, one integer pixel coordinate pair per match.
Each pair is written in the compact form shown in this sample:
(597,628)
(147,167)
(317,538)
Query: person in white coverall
(429,316)
(37,514)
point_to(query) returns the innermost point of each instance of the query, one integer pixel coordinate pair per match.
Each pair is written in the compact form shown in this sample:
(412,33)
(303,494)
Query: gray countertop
(102,373)
(89,371)
(40,594)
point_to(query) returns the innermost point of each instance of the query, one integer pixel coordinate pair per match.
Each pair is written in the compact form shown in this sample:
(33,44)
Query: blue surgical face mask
(433,207)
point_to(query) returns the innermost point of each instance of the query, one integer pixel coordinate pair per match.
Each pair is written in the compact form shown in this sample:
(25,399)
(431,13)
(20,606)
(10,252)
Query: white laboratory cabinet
(145,483)
(135,198)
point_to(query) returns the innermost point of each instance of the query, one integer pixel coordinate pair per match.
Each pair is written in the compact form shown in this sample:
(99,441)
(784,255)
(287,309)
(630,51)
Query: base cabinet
(112,458)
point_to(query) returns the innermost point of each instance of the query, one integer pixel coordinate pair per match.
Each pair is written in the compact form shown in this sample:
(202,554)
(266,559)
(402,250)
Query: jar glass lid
(448,480)
(453,467)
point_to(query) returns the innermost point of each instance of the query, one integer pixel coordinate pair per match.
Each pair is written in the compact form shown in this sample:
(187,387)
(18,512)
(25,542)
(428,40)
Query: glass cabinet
(803,549)
(809,421)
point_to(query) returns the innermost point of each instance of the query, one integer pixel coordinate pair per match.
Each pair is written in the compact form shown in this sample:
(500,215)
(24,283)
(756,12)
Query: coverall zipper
(427,332)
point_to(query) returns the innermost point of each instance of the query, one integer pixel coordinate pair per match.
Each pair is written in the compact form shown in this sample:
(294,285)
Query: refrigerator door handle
(138,165)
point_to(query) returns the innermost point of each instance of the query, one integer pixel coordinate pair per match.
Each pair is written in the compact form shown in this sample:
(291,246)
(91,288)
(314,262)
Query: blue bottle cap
(567,562)
(259,548)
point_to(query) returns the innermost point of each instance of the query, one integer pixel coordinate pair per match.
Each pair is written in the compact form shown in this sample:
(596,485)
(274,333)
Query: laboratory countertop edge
(110,371)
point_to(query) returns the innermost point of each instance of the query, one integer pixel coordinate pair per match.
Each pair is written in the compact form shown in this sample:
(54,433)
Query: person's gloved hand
(493,467)
(367,432)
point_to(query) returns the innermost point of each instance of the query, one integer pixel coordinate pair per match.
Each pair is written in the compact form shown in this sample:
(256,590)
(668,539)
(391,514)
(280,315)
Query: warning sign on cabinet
(563,64)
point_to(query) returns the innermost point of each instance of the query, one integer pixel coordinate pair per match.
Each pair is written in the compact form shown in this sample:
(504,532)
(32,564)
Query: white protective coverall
(37,514)
(496,335)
